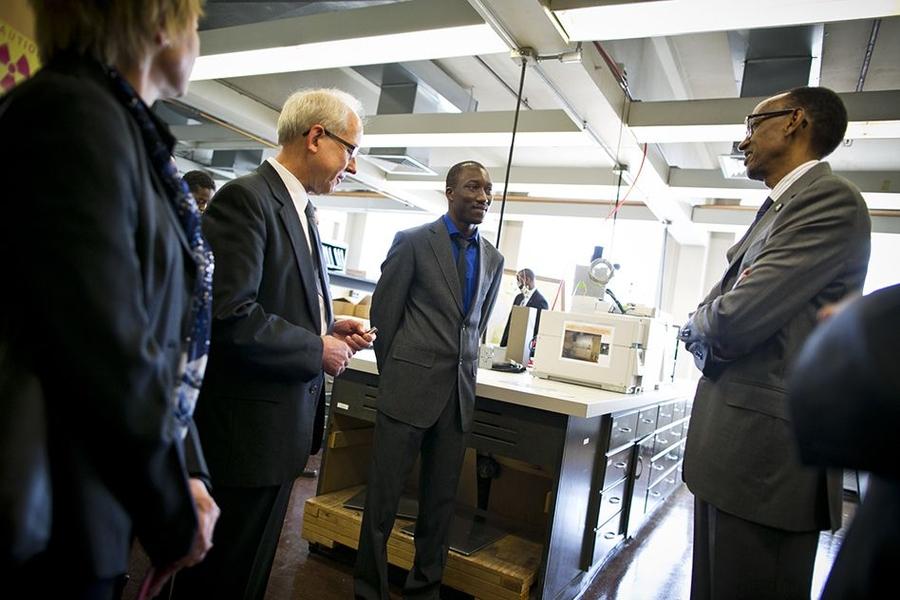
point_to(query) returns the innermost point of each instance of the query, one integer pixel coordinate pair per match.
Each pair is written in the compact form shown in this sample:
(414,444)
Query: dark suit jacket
(811,248)
(426,346)
(264,378)
(101,276)
(537,301)
(845,404)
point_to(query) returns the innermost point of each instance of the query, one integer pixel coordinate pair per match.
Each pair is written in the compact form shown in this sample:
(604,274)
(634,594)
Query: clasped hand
(346,339)
(207,515)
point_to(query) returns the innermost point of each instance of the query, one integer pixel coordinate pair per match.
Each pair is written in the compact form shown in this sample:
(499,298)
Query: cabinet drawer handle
(615,500)
(625,429)
(658,467)
(655,494)
(620,465)
(646,420)
(671,457)
(609,535)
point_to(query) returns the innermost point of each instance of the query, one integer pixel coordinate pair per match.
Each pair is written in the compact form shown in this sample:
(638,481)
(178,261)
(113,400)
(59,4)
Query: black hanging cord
(512,145)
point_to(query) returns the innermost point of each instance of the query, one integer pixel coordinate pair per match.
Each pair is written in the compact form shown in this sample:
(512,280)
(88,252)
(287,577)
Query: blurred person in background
(202,188)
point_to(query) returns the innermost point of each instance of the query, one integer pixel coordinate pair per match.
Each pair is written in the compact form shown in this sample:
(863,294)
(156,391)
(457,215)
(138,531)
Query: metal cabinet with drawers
(658,459)
(642,468)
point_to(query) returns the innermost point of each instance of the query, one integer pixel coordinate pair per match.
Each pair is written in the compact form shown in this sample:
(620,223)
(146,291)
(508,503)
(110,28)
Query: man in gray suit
(438,285)
(758,511)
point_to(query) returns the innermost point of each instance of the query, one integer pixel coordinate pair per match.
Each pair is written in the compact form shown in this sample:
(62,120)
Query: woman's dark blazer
(98,279)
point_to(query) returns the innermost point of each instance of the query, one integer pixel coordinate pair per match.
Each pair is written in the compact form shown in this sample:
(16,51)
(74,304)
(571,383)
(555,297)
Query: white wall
(884,264)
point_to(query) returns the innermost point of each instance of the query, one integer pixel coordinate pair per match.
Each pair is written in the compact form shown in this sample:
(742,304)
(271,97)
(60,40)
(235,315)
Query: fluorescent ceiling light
(429,44)
(628,20)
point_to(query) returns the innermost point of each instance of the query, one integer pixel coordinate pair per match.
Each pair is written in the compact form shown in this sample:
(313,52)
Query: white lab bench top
(525,389)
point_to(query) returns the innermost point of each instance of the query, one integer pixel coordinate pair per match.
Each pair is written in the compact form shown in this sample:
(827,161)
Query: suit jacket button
(314,389)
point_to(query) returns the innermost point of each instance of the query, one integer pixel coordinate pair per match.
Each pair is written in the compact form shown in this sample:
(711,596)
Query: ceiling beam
(373,178)
(732,218)
(473,129)
(363,202)
(206,132)
(572,183)
(881,189)
(524,23)
(529,175)
(871,115)
(590,20)
(398,32)
(224,104)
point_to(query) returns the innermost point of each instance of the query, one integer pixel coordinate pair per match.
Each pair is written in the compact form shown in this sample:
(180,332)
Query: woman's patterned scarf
(159,143)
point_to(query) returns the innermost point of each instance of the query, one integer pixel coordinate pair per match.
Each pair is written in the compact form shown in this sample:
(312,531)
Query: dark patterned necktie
(316,254)
(762,210)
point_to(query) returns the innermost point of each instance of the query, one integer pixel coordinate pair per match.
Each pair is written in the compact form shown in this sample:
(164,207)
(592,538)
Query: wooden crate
(505,570)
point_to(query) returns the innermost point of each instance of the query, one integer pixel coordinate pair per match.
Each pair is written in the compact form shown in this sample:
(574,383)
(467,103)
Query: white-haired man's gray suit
(811,248)
(427,352)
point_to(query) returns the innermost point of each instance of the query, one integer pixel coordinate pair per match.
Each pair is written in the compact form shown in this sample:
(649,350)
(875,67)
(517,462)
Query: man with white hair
(272,337)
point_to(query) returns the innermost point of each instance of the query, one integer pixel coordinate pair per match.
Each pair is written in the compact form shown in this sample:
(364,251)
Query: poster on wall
(18,57)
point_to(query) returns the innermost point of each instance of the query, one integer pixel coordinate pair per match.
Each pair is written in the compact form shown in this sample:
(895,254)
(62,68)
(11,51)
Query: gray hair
(330,108)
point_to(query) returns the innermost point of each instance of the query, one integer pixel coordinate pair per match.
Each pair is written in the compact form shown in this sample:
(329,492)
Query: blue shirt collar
(454,230)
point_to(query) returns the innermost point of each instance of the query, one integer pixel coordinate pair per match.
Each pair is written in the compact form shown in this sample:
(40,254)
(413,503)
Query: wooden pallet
(505,570)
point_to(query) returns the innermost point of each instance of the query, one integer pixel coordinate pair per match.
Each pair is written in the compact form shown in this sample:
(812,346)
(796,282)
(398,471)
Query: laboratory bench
(556,477)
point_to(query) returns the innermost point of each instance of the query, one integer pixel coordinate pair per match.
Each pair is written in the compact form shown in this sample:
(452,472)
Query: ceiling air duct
(404,90)
(769,61)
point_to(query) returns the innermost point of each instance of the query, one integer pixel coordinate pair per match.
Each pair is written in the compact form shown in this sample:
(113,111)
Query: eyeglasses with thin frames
(352,149)
(752,121)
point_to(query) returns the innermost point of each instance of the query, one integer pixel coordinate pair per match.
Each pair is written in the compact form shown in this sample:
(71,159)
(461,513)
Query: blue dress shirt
(471,260)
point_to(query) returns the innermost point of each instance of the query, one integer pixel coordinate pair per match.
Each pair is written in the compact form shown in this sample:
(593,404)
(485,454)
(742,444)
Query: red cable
(621,202)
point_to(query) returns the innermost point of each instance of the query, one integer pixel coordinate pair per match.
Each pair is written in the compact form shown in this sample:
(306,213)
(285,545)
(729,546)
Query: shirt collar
(791,178)
(453,230)
(294,187)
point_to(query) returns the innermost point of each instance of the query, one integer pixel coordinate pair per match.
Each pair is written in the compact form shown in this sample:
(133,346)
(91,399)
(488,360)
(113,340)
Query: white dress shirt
(526,296)
(300,199)
(789,179)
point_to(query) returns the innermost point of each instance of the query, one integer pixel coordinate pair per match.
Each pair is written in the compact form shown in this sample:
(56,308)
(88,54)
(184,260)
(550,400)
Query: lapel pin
(778,206)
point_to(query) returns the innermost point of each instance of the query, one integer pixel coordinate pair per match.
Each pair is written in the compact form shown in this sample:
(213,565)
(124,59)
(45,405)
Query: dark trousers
(244,545)
(442,447)
(736,559)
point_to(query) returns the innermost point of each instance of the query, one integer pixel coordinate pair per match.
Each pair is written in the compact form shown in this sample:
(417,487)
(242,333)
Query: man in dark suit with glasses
(273,336)
(758,510)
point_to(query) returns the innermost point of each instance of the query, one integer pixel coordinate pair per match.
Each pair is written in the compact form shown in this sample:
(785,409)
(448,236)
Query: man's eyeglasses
(352,149)
(752,121)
